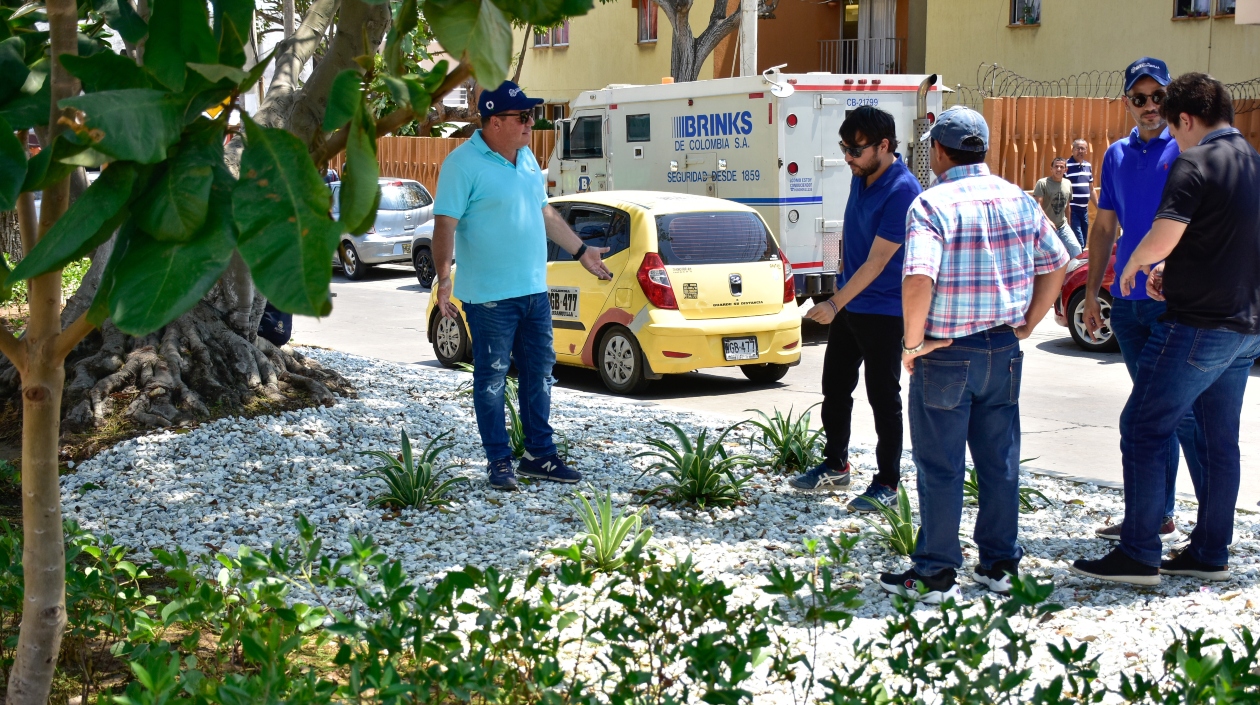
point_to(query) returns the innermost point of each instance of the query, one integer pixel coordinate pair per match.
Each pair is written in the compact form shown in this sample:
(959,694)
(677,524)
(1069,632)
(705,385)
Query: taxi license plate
(740,348)
(564,302)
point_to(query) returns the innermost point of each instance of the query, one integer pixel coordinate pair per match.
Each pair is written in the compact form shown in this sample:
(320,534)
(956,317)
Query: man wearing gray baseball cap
(982,266)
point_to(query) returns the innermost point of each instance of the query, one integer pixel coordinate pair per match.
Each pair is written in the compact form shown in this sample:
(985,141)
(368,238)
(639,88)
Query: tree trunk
(520,61)
(688,52)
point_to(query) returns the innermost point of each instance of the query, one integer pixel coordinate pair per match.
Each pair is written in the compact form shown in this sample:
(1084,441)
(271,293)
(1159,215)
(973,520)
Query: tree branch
(13,349)
(387,124)
(293,54)
(71,336)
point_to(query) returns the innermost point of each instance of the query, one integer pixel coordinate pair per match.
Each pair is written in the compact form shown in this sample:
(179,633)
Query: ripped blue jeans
(516,330)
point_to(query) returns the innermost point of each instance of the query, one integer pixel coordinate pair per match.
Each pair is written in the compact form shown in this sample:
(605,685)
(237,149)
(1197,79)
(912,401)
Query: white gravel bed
(238,482)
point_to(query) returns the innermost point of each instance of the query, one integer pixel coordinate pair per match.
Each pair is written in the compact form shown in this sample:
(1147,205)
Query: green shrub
(410,482)
(699,472)
(788,439)
(606,535)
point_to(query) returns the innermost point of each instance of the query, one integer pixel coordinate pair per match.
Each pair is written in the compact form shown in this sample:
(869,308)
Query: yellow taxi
(697,282)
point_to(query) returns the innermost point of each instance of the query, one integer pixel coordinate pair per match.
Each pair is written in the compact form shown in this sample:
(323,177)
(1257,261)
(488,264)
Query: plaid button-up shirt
(982,240)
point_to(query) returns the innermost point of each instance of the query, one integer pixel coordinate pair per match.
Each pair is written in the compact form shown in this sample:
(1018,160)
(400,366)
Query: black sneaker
(931,589)
(822,478)
(1118,568)
(550,468)
(998,577)
(1184,564)
(501,475)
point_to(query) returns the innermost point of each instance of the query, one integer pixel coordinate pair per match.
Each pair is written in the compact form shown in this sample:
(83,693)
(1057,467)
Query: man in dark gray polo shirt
(1203,257)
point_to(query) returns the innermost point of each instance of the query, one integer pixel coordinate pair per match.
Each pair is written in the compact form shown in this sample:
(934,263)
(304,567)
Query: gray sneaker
(822,478)
(882,494)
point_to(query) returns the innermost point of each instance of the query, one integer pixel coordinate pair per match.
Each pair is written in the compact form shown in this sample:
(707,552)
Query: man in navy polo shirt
(1134,171)
(865,314)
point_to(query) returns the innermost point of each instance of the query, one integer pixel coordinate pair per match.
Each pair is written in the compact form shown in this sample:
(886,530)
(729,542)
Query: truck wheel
(355,268)
(621,362)
(1076,323)
(765,373)
(450,341)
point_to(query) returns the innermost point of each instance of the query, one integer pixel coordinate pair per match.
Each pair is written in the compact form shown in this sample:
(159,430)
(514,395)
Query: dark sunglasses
(855,152)
(1139,99)
(524,116)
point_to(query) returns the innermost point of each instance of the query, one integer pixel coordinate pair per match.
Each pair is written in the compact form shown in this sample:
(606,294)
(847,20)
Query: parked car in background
(1069,308)
(422,254)
(697,282)
(405,205)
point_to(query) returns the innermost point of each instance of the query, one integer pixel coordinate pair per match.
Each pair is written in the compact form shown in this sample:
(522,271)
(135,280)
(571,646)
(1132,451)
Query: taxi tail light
(789,282)
(654,281)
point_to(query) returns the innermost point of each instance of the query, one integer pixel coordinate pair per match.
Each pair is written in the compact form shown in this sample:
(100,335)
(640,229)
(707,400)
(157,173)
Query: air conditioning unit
(1247,12)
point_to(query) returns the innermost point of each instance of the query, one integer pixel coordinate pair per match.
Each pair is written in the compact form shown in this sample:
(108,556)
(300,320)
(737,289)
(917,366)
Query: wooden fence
(1025,134)
(421,158)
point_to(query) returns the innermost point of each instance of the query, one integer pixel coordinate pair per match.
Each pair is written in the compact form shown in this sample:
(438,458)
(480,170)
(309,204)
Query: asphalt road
(1070,399)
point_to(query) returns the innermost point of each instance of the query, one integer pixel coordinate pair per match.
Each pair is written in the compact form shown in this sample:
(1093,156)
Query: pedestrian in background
(1135,169)
(865,313)
(1204,248)
(1081,174)
(1055,194)
(492,209)
(983,266)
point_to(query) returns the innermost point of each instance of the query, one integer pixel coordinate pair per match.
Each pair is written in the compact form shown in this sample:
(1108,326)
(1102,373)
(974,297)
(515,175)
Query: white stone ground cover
(241,482)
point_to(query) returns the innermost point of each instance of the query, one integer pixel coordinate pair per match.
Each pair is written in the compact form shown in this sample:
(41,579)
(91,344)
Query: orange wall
(791,38)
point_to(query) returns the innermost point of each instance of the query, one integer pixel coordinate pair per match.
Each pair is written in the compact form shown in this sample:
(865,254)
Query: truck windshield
(586,139)
(713,238)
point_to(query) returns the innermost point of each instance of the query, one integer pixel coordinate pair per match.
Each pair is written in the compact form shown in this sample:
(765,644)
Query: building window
(638,128)
(557,111)
(647,21)
(542,38)
(1184,9)
(1025,12)
(1225,7)
(560,35)
(457,98)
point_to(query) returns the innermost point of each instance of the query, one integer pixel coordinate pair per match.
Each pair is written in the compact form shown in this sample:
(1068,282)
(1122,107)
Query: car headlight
(1076,263)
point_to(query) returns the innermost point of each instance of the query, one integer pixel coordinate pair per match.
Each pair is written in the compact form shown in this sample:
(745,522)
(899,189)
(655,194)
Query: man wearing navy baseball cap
(491,208)
(1134,171)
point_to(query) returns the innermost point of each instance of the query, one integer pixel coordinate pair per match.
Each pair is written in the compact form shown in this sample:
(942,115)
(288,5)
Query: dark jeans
(874,340)
(516,330)
(1080,224)
(1183,368)
(964,395)
(1133,322)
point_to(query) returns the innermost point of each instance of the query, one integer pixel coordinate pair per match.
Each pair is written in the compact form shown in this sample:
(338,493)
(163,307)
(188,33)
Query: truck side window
(638,128)
(585,139)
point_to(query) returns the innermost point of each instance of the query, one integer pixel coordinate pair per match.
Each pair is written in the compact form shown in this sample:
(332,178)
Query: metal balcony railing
(885,55)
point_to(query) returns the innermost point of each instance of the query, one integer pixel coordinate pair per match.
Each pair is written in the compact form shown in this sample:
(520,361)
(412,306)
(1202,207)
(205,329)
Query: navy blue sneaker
(501,475)
(822,478)
(865,502)
(550,467)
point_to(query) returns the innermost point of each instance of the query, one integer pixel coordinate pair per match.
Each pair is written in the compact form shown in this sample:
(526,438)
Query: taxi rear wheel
(766,373)
(450,341)
(621,362)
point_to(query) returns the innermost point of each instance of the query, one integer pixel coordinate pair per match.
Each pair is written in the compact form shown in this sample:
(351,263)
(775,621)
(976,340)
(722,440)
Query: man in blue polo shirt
(491,208)
(1134,171)
(865,314)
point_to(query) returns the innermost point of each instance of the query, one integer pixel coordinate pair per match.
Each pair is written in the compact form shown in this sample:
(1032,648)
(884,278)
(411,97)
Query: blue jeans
(512,330)
(963,395)
(1068,237)
(1133,322)
(1080,224)
(1184,369)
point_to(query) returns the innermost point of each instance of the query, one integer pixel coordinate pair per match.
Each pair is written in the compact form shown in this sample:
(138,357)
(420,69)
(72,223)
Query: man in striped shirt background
(1081,174)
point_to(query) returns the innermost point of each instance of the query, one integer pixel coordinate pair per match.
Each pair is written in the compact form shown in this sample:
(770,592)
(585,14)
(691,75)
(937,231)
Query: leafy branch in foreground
(411,482)
(699,472)
(605,535)
(789,439)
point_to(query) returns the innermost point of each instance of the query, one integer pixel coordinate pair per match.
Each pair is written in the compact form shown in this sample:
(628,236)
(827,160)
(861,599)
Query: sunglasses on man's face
(1139,99)
(524,116)
(855,152)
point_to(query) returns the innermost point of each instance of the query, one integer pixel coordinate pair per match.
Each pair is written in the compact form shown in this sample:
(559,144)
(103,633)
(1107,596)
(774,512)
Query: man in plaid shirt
(982,267)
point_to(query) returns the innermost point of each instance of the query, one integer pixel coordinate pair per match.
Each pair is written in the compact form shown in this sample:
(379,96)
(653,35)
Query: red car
(1069,308)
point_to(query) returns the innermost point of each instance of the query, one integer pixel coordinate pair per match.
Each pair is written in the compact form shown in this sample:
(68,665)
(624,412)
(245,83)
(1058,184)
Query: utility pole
(747,37)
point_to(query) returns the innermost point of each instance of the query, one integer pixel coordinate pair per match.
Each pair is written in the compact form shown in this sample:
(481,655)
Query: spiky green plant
(699,472)
(605,535)
(789,439)
(901,533)
(412,482)
(971,492)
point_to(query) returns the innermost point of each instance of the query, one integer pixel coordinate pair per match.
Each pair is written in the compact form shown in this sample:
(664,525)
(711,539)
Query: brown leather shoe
(1167,531)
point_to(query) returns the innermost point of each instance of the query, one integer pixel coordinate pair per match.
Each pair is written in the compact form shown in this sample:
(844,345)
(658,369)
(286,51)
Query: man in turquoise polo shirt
(492,209)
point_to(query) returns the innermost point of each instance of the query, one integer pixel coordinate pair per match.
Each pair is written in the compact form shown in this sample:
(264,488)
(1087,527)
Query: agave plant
(971,492)
(411,482)
(901,532)
(789,439)
(605,535)
(699,472)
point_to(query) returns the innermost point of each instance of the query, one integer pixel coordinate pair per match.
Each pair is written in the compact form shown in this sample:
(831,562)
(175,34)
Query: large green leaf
(281,208)
(86,224)
(12,166)
(405,20)
(156,281)
(135,124)
(174,206)
(30,107)
(231,26)
(343,99)
(218,72)
(257,72)
(5,289)
(360,190)
(179,33)
(13,70)
(106,71)
(122,18)
(99,310)
(50,165)
(478,29)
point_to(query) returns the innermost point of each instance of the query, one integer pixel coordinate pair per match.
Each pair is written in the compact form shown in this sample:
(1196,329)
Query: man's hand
(1093,318)
(823,313)
(907,359)
(444,298)
(1155,282)
(593,261)
(1129,278)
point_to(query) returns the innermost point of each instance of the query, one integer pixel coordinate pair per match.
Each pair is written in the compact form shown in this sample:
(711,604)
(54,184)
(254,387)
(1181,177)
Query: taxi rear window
(713,238)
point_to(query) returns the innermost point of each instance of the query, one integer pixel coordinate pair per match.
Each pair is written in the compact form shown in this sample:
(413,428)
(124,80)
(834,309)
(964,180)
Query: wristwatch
(912,351)
(580,251)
